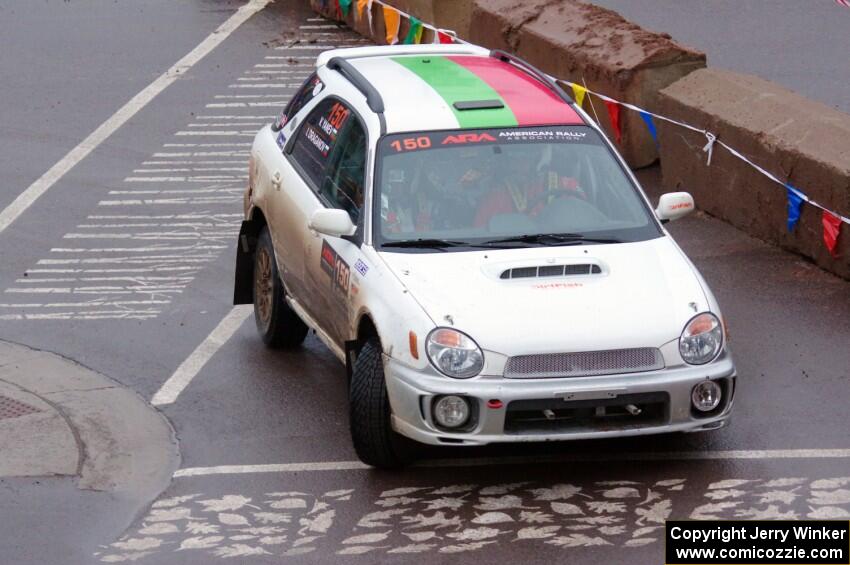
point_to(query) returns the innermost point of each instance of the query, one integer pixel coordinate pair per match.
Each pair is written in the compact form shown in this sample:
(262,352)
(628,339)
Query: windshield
(480,186)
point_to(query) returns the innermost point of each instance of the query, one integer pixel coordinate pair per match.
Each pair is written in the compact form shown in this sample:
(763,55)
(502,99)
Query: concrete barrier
(798,140)
(584,43)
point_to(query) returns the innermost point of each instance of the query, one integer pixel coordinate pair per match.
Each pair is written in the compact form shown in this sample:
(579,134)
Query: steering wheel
(547,193)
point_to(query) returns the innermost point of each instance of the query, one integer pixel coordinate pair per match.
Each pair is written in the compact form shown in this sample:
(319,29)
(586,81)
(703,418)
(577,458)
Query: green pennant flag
(344,6)
(414,34)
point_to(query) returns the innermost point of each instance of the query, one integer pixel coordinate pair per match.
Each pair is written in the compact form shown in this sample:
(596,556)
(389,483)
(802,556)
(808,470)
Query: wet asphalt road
(126,266)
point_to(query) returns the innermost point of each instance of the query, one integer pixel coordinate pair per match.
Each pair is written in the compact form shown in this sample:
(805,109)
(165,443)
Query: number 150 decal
(336,267)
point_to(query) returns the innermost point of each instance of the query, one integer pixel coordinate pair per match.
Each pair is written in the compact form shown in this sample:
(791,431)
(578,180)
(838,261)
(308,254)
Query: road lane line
(760,454)
(25,199)
(193,364)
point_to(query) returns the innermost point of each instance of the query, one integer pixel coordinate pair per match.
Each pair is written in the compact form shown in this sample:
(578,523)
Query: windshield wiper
(554,239)
(424,243)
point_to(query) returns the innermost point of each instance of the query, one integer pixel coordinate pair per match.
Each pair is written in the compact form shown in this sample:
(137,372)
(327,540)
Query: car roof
(421,86)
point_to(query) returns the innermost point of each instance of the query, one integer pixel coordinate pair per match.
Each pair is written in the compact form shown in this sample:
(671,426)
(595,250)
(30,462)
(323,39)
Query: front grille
(584,363)
(557,416)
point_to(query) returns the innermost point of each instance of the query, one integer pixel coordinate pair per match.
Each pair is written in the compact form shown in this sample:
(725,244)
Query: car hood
(641,296)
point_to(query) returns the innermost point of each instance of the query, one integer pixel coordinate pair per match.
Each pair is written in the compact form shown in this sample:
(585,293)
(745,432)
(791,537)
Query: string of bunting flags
(831,221)
(392,22)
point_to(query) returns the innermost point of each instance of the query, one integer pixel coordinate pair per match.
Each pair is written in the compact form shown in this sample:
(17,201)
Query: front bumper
(557,409)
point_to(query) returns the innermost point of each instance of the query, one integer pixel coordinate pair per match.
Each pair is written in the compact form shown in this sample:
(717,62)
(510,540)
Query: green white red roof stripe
(462,78)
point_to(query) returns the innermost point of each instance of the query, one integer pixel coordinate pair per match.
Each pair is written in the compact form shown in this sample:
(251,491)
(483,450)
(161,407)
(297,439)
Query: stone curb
(86,425)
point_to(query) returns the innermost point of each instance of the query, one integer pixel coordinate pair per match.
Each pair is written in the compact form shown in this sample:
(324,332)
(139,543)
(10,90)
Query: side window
(317,137)
(343,183)
(311,87)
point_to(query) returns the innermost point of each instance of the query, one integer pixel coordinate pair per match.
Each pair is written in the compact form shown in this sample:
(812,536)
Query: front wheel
(278,324)
(374,440)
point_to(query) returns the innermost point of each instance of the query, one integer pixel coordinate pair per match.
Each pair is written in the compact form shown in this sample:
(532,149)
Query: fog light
(451,411)
(706,396)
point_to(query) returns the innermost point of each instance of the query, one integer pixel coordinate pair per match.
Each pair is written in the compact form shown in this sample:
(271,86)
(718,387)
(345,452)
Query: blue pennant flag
(794,204)
(651,125)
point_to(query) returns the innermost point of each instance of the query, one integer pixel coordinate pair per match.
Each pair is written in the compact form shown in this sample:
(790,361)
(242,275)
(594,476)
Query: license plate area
(556,415)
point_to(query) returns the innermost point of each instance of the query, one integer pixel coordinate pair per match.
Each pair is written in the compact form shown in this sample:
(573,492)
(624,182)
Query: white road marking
(25,199)
(204,190)
(240,144)
(223,125)
(762,454)
(234,117)
(229,133)
(247,105)
(453,518)
(219,96)
(190,170)
(239,162)
(193,364)
(281,85)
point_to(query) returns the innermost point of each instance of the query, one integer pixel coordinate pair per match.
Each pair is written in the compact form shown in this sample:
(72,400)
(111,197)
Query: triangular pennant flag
(614,113)
(369,15)
(647,118)
(360,5)
(579,91)
(418,39)
(414,30)
(392,21)
(794,204)
(831,229)
(345,6)
(445,37)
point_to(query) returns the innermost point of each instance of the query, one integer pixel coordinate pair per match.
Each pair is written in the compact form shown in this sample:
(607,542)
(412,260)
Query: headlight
(454,353)
(702,339)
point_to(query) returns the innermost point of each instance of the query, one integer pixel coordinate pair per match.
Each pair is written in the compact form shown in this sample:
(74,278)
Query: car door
(294,197)
(341,261)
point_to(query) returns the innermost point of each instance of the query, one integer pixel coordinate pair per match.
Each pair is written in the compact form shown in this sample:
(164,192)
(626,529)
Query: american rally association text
(755,532)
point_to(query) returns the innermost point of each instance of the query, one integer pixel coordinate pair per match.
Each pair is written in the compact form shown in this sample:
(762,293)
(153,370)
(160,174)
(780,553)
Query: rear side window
(317,138)
(311,87)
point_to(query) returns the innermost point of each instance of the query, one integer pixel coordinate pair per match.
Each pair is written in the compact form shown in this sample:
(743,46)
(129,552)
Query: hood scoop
(551,271)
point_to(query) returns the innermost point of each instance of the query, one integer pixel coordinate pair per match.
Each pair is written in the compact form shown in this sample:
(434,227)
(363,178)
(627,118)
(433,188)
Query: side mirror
(332,221)
(674,205)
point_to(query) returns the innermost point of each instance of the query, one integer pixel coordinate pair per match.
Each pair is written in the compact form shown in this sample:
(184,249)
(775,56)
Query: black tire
(278,324)
(374,440)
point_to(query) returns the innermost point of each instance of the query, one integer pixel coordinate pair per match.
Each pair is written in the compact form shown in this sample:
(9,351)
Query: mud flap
(243,290)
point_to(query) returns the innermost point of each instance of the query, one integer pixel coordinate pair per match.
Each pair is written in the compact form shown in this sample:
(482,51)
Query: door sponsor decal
(336,268)
(361,267)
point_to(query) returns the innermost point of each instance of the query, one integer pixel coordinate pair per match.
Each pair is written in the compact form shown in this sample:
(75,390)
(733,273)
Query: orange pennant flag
(392,21)
(360,5)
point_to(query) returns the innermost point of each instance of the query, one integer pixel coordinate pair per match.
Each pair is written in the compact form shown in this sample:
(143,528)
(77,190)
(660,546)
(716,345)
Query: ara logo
(468,138)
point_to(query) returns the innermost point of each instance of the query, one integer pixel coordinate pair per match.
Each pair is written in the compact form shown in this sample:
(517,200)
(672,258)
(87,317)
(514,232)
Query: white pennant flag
(369,15)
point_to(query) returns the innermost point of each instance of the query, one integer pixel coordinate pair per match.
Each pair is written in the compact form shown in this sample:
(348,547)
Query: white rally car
(469,243)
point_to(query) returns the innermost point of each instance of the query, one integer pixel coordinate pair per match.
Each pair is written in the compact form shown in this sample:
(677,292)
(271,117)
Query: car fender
(394,313)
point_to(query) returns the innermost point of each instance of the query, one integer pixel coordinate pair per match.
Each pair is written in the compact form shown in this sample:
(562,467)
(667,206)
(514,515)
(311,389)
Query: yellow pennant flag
(579,92)
(417,39)
(392,21)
